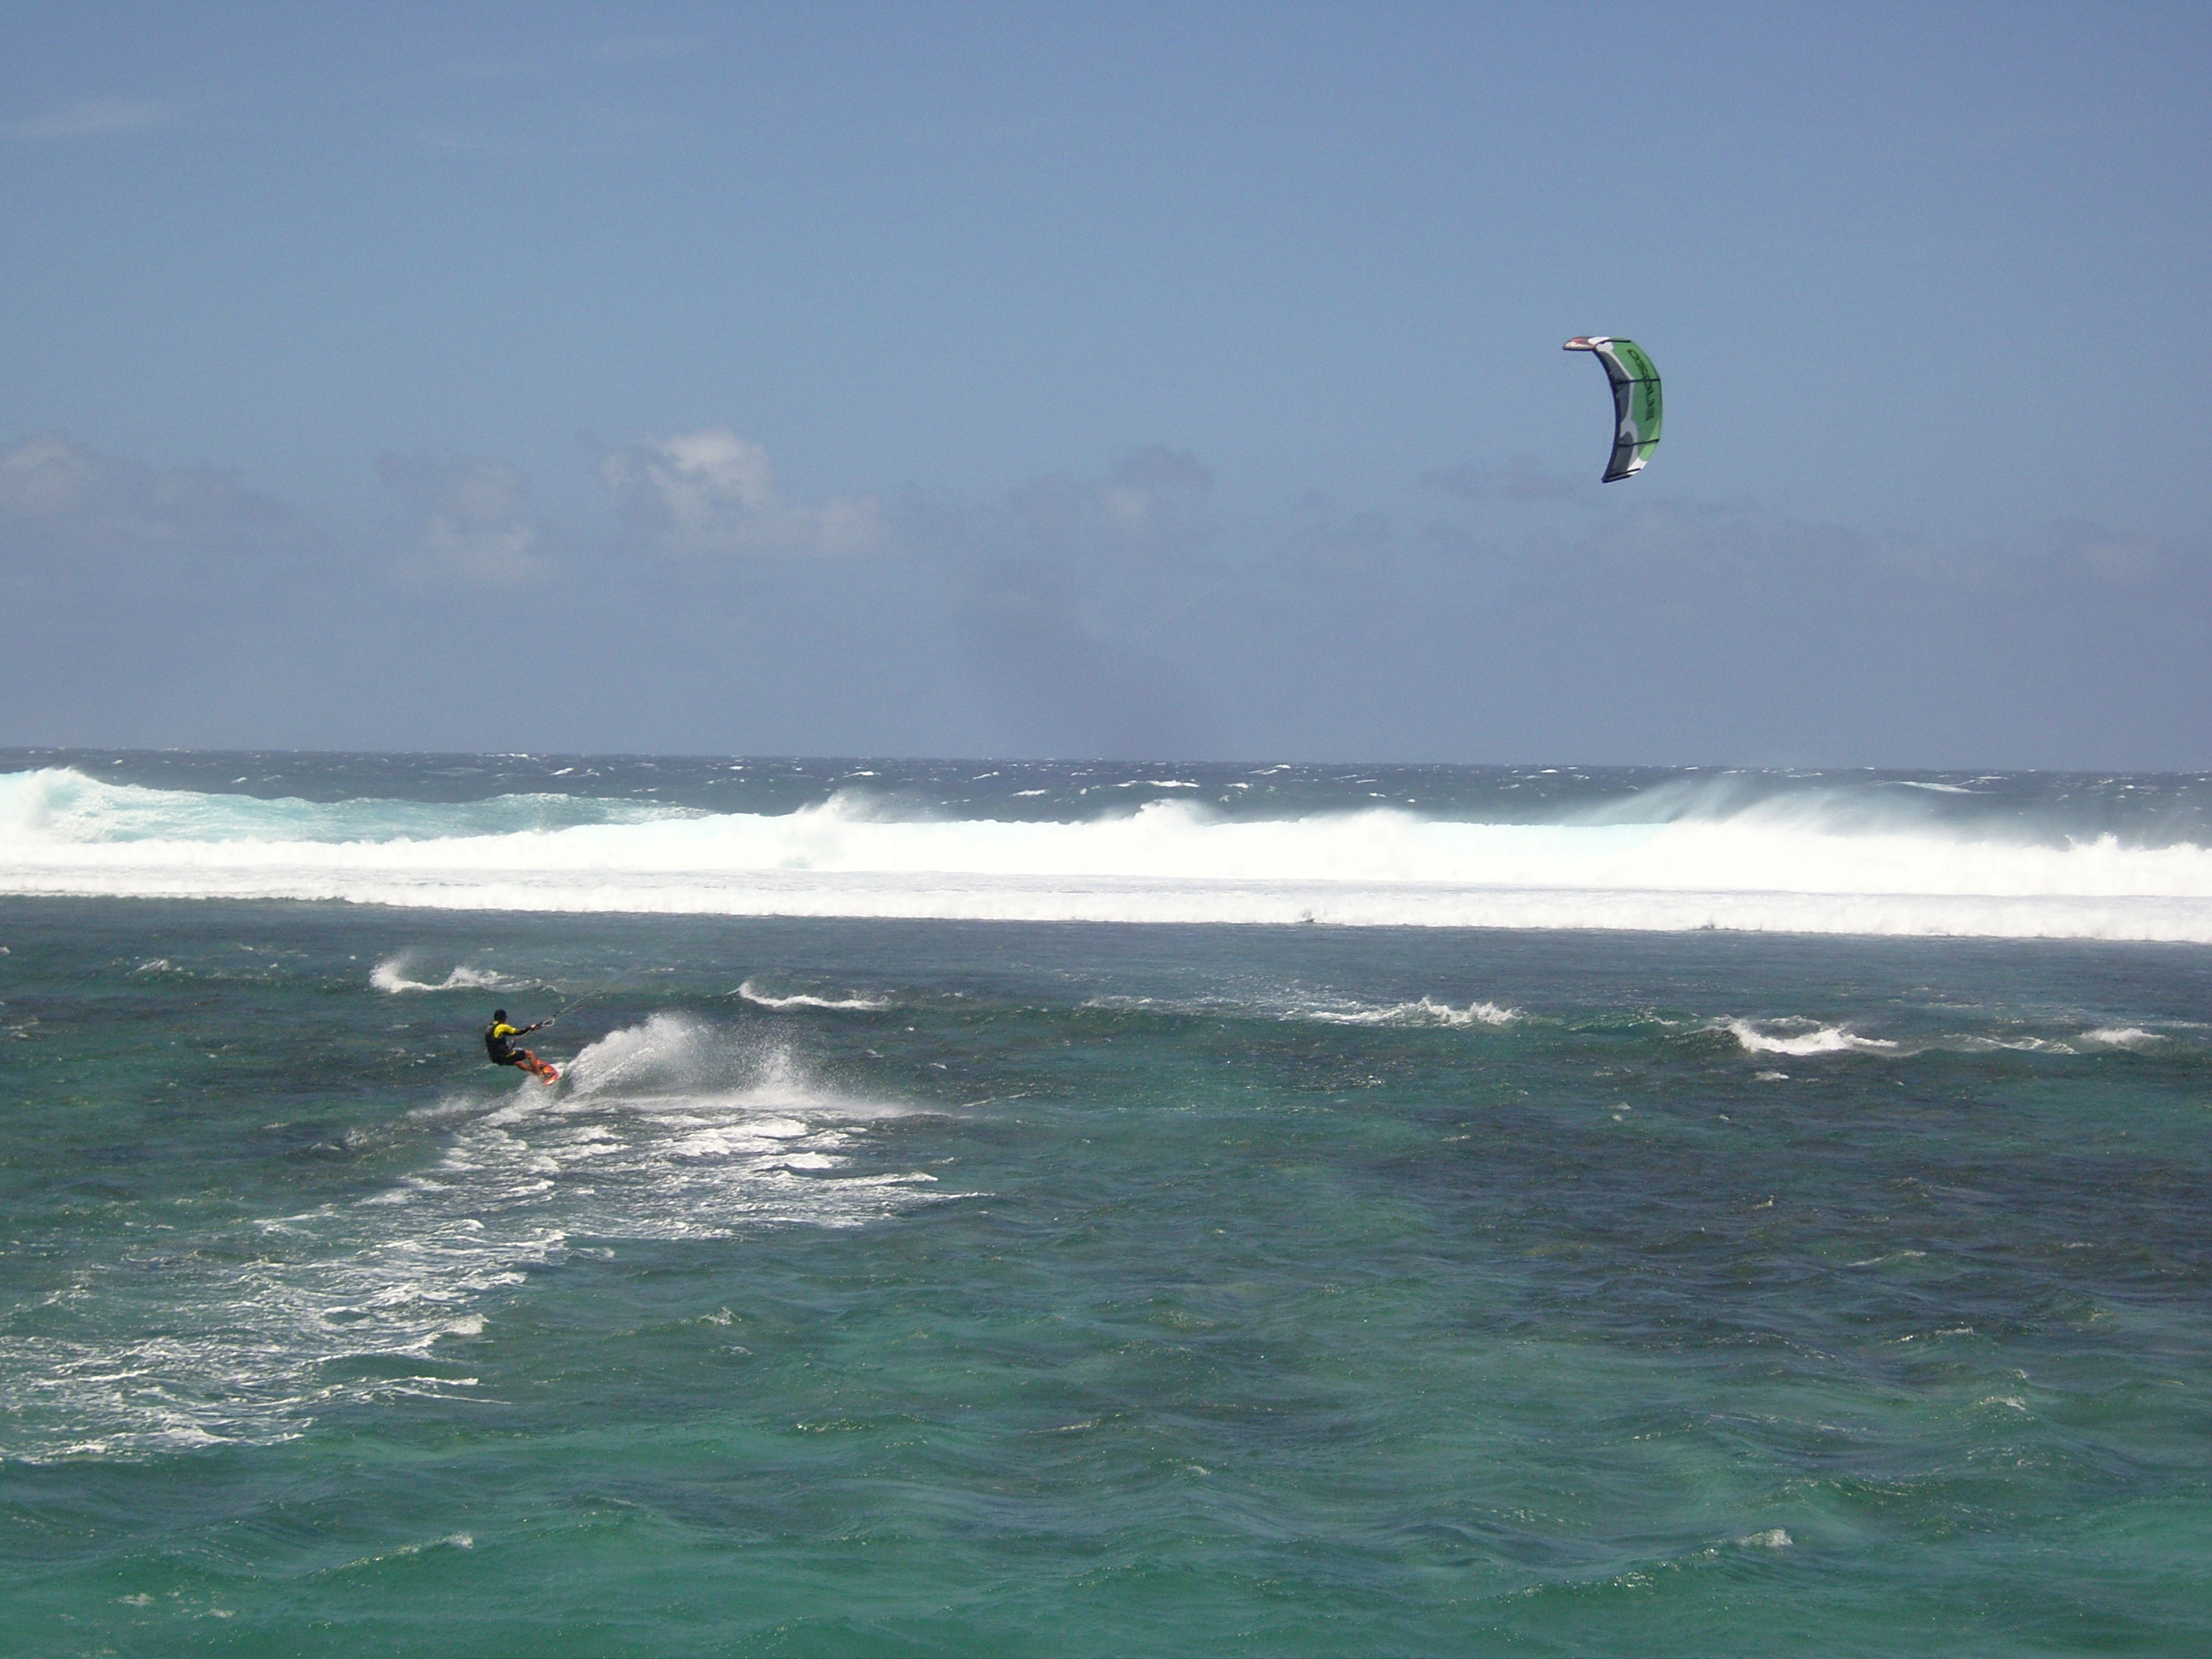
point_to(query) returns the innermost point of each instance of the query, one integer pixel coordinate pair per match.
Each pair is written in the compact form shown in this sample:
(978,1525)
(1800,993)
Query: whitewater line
(973,897)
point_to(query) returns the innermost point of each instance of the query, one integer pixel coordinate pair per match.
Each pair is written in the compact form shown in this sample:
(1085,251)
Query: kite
(1635,401)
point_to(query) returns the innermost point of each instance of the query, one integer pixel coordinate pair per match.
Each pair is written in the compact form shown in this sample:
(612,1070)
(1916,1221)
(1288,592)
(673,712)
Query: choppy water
(878,1286)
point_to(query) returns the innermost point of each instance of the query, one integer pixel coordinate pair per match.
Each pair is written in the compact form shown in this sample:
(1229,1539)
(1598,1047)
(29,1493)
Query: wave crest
(2121,1036)
(1426,1011)
(753,993)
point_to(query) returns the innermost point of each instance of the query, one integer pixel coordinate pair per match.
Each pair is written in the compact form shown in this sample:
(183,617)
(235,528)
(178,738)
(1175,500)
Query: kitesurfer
(499,1042)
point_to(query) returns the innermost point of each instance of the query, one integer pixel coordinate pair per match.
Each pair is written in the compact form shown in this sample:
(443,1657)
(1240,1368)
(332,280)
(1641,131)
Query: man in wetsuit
(499,1043)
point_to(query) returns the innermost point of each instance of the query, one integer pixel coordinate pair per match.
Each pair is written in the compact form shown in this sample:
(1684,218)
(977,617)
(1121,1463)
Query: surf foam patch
(683,1130)
(1799,870)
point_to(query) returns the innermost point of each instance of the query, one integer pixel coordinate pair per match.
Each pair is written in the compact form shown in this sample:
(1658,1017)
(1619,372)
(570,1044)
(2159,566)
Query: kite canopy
(1635,401)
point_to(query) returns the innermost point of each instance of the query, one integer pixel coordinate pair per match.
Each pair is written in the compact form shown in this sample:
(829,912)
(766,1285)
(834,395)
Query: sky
(1174,381)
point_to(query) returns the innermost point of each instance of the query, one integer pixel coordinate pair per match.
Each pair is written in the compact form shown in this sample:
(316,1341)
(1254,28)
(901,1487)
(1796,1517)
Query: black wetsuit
(499,1044)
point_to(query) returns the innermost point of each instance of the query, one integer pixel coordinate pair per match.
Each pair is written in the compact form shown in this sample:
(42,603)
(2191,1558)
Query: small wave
(1975,1045)
(2121,1036)
(752,993)
(390,976)
(1822,1039)
(1426,1011)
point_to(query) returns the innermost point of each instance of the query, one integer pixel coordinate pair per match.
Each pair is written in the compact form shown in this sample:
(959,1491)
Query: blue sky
(1076,379)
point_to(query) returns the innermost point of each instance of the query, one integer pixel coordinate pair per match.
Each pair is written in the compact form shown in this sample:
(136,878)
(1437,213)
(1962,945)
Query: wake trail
(670,1129)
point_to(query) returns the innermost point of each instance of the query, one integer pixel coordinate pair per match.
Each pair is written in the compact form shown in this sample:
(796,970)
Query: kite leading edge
(1635,401)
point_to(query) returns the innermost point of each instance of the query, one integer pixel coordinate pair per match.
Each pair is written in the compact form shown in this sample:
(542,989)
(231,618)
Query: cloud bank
(1488,614)
(64,503)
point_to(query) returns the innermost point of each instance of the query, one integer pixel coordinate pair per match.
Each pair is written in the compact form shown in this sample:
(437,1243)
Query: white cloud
(94,116)
(711,492)
(470,517)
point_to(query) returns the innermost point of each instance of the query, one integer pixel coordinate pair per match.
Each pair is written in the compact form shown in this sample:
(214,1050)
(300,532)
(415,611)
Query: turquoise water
(878,1286)
(1092,1295)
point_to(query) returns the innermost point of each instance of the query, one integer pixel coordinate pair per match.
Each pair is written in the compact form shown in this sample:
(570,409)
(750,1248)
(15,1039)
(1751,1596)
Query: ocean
(1054,1208)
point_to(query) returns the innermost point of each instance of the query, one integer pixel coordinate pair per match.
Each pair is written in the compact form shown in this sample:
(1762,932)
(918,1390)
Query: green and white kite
(1635,401)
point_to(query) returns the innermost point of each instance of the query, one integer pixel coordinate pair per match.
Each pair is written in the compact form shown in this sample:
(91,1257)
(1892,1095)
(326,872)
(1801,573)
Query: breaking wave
(1795,1038)
(2121,1036)
(1802,869)
(390,976)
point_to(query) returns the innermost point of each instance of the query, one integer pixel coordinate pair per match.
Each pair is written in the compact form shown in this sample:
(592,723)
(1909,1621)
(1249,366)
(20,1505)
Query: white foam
(752,993)
(1426,1011)
(1765,868)
(668,1130)
(1795,1040)
(391,976)
(1973,1042)
(2121,1036)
